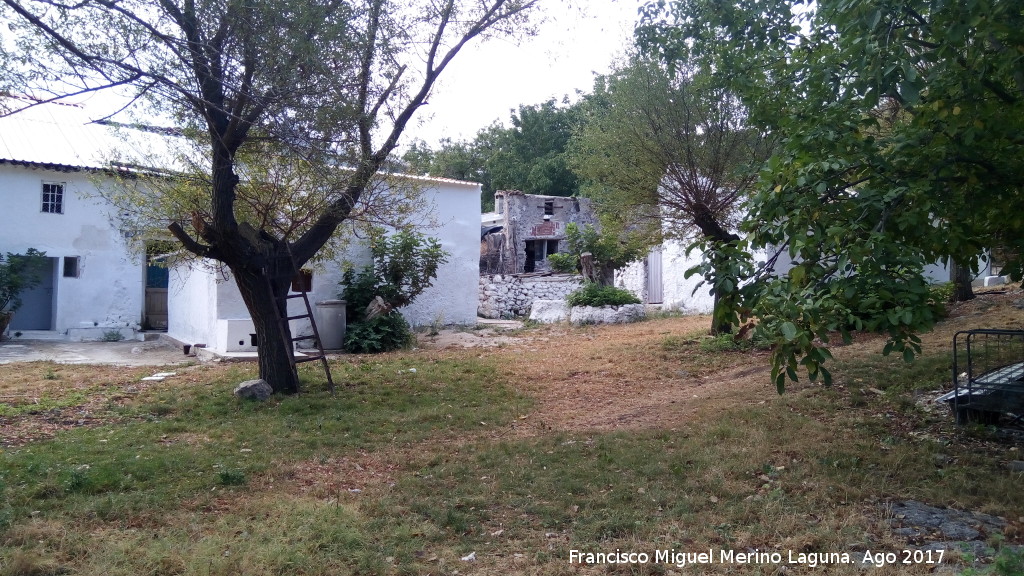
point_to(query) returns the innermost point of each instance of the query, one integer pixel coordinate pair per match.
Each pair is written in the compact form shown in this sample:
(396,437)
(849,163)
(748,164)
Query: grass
(505,454)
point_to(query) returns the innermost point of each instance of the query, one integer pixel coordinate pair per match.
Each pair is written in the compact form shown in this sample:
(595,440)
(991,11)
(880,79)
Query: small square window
(53,197)
(552,247)
(303,282)
(71,268)
(549,207)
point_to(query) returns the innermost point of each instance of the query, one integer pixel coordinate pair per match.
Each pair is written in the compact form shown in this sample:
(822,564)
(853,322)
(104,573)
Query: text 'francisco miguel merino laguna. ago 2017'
(711,556)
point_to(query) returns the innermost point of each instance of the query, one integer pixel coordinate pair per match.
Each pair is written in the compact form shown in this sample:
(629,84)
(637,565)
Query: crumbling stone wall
(507,295)
(533,226)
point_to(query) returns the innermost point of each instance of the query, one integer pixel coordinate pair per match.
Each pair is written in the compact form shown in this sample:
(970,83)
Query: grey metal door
(654,282)
(36,312)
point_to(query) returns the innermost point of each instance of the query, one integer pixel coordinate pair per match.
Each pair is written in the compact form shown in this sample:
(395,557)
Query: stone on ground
(606,314)
(254,390)
(549,311)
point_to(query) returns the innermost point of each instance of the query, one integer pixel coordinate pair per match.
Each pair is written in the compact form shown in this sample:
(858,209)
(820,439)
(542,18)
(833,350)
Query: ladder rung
(290,296)
(299,316)
(297,338)
(308,359)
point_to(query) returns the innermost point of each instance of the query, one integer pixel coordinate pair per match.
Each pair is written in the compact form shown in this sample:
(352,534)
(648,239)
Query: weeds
(112,336)
(406,472)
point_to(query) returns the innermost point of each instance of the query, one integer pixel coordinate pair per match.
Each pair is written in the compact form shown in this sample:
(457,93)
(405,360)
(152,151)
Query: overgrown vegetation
(404,265)
(426,457)
(18,273)
(594,294)
(383,333)
(609,249)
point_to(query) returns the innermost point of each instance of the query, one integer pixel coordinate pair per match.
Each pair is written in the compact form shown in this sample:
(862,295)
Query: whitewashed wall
(192,302)
(453,297)
(677,291)
(110,289)
(204,305)
(633,277)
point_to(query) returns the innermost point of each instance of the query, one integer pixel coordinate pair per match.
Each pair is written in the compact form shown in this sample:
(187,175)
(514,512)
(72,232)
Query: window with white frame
(53,197)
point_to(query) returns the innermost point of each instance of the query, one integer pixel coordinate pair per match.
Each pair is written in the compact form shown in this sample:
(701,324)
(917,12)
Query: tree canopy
(274,93)
(530,156)
(665,153)
(902,131)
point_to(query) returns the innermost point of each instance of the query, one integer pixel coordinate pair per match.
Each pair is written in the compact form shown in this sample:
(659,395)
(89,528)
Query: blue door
(36,312)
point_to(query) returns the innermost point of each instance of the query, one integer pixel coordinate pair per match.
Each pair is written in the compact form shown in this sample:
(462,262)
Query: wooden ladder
(284,319)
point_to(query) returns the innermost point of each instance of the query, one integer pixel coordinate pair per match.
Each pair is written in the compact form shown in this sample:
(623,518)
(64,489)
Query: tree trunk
(267,306)
(960,276)
(719,324)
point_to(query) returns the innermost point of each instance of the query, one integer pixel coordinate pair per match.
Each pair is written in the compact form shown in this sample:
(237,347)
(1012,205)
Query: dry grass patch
(640,437)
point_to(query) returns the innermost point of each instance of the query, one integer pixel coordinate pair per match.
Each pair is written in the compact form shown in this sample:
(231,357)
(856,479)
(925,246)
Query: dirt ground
(598,378)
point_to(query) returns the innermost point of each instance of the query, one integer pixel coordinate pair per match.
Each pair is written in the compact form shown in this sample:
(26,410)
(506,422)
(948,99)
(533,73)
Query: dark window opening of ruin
(531,256)
(549,207)
(552,247)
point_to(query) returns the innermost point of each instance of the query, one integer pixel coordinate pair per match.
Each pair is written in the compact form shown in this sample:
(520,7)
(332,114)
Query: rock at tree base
(254,390)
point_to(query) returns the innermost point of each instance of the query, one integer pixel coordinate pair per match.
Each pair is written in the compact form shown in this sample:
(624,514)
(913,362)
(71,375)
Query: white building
(49,170)
(660,278)
(54,161)
(205,307)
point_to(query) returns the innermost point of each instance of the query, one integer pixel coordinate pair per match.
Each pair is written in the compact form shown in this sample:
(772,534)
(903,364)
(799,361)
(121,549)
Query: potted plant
(18,272)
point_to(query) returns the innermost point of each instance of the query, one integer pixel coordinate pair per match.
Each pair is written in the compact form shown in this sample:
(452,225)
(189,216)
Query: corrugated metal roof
(65,137)
(59,136)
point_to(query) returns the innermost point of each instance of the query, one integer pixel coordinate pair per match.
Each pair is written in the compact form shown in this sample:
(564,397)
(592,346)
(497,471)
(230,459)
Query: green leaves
(900,125)
(18,273)
(789,331)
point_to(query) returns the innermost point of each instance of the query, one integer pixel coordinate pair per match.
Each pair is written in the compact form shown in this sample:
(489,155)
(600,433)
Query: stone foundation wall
(507,295)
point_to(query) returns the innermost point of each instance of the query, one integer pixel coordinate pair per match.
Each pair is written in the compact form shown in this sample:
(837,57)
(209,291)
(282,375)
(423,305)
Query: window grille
(53,197)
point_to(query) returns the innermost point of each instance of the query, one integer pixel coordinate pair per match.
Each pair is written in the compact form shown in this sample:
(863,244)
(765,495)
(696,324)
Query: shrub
(609,250)
(19,272)
(113,336)
(592,294)
(563,263)
(404,265)
(381,334)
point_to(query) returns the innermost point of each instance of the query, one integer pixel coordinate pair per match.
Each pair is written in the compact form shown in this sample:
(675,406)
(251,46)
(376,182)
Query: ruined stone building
(525,228)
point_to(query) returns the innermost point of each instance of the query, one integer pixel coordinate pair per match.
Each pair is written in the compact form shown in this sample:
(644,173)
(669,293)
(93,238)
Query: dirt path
(606,378)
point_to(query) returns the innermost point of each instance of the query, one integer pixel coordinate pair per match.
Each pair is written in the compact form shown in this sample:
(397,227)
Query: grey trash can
(330,323)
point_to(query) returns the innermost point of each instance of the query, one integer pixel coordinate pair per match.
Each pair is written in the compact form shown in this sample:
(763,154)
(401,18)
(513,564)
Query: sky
(489,79)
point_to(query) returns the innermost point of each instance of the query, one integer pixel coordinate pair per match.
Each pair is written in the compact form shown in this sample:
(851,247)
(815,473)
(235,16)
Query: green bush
(592,294)
(381,334)
(563,263)
(404,265)
(18,273)
(610,251)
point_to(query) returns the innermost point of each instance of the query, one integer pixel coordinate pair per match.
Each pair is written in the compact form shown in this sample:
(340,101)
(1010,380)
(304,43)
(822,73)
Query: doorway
(37,304)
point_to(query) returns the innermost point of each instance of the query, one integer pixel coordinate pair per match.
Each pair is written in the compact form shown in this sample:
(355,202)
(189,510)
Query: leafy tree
(610,250)
(277,95)
(461,160)
(665,147)
(18,273)
(530,156)
(404,265)
(901,125)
